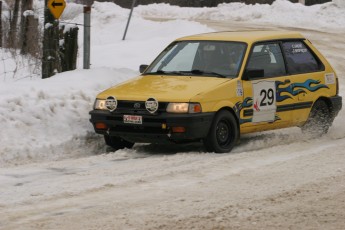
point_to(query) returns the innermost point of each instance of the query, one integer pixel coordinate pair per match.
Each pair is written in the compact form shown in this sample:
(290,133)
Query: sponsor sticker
(239,90)
(132,119)
(329,78)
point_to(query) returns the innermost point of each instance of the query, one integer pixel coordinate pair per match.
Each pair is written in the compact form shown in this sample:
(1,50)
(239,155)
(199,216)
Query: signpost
(129,19)
(56,7)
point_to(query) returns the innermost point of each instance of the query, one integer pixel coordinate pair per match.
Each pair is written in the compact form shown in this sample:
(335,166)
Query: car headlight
(184,108)
(100,104)
(108,104)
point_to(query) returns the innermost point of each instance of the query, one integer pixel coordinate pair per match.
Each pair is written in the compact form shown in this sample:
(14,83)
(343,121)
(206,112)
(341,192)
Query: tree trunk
(29,30)
(13,26)
(30,37)
(51,63)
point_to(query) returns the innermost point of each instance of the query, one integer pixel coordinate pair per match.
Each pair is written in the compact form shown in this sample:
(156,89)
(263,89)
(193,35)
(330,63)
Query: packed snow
(56,173)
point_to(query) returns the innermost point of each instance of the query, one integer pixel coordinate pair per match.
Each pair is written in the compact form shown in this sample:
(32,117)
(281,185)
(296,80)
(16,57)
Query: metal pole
(129,19)
(0,23)
(87,35)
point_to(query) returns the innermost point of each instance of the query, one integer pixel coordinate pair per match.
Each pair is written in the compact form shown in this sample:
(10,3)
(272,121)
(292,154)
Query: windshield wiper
(184,73)
(198,71)
(168,72)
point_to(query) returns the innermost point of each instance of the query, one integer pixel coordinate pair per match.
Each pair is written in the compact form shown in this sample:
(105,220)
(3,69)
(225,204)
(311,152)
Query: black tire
(223,133)
(117,142)
(319,120)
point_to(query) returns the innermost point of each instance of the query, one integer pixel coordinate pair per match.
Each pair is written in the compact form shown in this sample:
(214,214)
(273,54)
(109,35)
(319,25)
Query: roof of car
(245,36)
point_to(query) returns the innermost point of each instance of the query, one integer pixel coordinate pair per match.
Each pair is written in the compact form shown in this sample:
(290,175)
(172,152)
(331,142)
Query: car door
(262,107)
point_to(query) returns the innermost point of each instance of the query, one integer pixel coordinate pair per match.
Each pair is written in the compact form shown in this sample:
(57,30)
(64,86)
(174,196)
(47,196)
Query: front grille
(130,107)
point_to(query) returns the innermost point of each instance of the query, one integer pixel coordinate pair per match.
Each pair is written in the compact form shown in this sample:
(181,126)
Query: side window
(269,58)
(299,59)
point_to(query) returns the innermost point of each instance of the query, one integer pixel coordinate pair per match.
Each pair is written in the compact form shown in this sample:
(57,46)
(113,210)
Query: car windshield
(201,58)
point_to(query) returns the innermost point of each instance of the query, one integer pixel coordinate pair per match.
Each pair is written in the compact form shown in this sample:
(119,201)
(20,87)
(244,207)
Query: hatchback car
(214,87)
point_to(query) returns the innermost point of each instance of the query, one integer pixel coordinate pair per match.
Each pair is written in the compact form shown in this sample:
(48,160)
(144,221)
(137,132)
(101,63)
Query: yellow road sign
(56,7)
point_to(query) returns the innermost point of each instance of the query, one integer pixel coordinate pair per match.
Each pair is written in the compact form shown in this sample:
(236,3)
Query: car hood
(163,88)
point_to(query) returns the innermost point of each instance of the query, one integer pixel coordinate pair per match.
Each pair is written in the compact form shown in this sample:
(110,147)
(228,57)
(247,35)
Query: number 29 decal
(264,98)
(267,97)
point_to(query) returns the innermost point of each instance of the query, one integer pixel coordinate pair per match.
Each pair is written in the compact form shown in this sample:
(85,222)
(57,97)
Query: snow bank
(49,118)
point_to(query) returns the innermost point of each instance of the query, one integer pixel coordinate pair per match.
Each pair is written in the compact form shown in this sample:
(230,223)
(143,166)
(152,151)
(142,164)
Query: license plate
(132,119)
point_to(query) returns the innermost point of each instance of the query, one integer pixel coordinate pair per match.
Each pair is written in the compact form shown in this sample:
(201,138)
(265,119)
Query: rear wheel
(223,133)
(117,142)
(319,120)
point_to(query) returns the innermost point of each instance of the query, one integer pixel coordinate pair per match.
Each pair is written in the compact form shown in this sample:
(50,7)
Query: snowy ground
(56,173)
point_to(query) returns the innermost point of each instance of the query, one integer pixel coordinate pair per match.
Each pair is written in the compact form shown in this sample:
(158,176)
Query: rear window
(300,59)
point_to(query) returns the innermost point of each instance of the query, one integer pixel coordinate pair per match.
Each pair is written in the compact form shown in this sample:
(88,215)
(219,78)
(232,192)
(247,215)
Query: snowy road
(272,180)
(297,185)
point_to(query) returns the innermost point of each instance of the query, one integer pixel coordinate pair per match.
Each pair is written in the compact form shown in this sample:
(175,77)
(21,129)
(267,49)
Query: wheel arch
(327,101)
(333,104)
(236,116)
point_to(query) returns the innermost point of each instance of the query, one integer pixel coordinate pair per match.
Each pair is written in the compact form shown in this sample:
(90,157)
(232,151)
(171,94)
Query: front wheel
(223,133)
(117,142)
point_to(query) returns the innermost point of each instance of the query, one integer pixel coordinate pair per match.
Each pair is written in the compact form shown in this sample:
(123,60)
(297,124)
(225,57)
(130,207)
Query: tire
(117,142)
(223,133)
(319,120)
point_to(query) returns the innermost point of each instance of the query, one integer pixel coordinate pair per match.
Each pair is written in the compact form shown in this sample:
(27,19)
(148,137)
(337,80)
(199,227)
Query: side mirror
(142,68)
(253,74)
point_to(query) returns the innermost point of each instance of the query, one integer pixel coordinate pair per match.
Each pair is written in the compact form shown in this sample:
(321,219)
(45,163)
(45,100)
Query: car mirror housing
(142,68)
(253,74)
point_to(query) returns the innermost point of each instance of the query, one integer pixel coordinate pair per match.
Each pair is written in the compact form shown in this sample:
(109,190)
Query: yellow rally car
(213,87)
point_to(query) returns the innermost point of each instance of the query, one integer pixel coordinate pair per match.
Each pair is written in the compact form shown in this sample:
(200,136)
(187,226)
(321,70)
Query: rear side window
(299,59)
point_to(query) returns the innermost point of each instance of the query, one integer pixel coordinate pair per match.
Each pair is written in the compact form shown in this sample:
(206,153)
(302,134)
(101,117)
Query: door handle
(287,81)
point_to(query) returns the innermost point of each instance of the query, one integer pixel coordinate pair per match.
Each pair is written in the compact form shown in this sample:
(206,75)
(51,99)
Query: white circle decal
(151,105)
(111,103)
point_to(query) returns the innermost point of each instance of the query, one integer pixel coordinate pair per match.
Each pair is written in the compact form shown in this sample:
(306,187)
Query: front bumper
(154,128)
